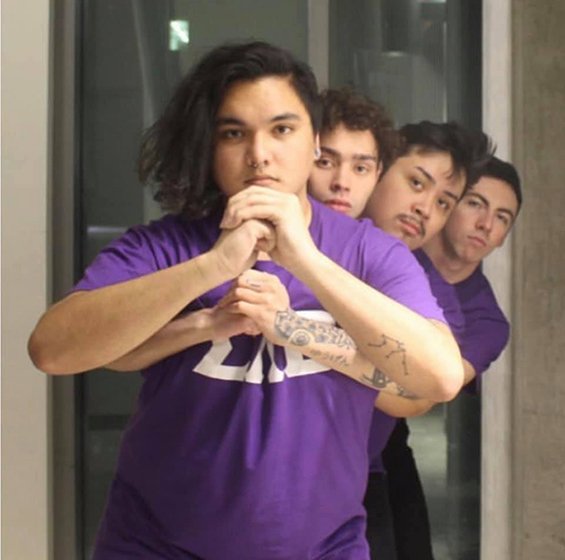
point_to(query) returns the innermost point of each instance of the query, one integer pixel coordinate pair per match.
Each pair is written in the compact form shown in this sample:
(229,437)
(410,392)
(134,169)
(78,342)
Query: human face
(347,171)
(263,137)
(414,198)
(481,221)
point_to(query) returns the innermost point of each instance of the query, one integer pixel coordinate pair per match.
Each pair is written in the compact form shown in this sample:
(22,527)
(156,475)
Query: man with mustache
(478,225)
(412,201)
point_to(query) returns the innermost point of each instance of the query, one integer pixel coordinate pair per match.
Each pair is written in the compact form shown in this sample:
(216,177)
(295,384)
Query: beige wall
(538,482)
(25,168)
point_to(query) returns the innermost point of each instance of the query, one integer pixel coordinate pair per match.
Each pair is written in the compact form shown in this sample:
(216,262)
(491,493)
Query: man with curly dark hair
(357,142)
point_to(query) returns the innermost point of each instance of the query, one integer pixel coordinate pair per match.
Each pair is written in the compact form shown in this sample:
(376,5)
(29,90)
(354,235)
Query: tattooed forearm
(380,381)
(300,331)
(392,347)
(328,358)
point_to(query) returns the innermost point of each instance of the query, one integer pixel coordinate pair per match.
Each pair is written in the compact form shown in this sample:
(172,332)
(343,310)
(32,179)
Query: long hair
(176,154)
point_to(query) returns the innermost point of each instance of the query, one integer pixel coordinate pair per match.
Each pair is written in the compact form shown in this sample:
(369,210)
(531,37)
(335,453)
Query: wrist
(211,269)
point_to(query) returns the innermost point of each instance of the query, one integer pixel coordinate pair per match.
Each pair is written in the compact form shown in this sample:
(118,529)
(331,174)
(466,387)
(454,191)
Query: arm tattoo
(392,346)
(329,358)
(380,381)
(300,331)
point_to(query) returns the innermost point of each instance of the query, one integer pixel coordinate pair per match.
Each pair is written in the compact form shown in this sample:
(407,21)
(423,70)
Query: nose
(341,181)
(423,206)
(257,151)
(485,221)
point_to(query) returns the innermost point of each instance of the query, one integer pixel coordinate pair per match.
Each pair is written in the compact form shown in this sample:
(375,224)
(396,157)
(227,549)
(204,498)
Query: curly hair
(176,153)
(358,112)
(470,150)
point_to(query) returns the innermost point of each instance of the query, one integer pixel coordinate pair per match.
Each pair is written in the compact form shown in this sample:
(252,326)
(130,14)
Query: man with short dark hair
(478,225)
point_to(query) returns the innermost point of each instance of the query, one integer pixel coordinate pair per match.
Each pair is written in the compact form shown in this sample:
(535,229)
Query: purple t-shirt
(242,449)
(486,329)
(446,296)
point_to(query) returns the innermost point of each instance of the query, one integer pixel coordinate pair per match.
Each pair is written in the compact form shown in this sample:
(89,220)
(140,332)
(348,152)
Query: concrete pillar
(538,299)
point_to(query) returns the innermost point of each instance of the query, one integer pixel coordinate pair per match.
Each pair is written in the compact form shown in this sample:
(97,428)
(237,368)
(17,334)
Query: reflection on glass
(421,60)
(179,36)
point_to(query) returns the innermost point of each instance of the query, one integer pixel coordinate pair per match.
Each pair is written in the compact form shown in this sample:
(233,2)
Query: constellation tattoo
(393,347)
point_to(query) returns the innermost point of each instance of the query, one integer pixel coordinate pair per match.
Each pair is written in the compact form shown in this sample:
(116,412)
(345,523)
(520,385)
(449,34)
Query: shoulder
(478,299)
(338,235)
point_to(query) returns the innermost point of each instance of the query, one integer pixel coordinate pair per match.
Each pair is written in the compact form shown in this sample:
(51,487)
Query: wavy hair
(358,112)
(176,153)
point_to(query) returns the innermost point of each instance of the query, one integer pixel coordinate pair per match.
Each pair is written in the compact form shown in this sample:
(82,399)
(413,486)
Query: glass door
(421,59)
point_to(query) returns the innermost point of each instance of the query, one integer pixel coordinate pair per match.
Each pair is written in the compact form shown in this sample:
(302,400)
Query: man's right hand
(236,250)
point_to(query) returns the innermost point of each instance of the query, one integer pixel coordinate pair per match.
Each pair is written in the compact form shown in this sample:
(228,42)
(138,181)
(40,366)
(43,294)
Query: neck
(452,269)
(305,205)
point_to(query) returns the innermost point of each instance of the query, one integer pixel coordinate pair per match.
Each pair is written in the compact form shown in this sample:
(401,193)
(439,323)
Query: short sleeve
(398,275)
(482,343)
(125,258)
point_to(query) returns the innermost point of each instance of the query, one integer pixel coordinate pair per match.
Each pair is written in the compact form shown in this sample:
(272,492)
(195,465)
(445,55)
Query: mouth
(261,180)
(477,241)
(338,205)
(411,227)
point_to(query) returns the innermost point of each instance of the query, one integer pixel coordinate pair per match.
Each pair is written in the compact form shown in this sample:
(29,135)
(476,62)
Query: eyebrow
(223,121)
(430,178)
(487,203)
(336,154)
(426,174)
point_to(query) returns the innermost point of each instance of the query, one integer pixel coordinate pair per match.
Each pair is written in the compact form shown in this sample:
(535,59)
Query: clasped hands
(258,219)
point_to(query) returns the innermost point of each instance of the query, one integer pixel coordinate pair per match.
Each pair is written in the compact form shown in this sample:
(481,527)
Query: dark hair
(469,149)
(177,151)
(358,112)
(504,171)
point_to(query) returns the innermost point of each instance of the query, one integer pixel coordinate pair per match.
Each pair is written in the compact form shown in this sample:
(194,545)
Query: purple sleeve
(128,257)
(398,275)
(482,343)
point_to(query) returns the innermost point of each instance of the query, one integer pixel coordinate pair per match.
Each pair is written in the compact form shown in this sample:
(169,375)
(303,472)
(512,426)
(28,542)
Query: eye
(504,219)
(473,202)
(444,204)
(362,169)
(282,129)
(416,184)
(230,134)
(324,163)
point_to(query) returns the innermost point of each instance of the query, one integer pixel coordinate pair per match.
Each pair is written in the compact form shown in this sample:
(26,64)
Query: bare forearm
(90,329)
(400,407)
(174,337)
(416,353)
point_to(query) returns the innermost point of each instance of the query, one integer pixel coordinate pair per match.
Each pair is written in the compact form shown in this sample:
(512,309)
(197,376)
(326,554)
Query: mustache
(416,221)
